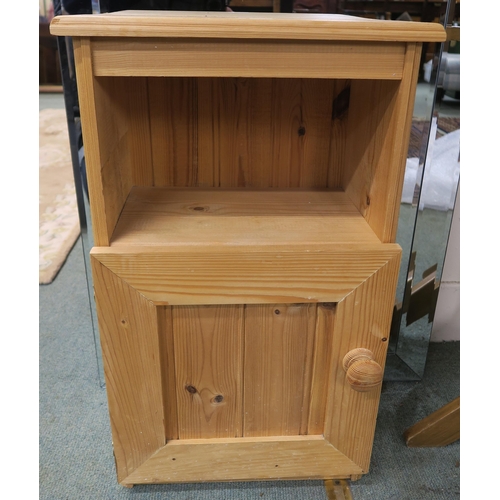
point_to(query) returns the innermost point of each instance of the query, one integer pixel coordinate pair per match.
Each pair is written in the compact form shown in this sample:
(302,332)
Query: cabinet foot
(338,489)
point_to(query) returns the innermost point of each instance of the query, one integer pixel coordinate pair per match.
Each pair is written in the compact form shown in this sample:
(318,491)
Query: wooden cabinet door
(254,389)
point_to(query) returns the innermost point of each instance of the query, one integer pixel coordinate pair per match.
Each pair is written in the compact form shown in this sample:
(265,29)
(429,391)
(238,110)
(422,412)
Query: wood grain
(219,218)
(245,174)
(363,320)
(241,58)
(377,140)
(440,428)
(115,128)
(322,358)
(235,130)
(301,132)
(241,459)
(190,276)
(128,326)
(245,25)
(173,125)
(338,129)
(264,132)
(100,140)
(168,379)
(238,132)
(208,363)
(279,342)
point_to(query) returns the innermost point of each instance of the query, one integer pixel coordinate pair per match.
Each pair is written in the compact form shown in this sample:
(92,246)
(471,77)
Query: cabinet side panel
(128,325)
(407,91)
(208,344)
(116,135)
(370,142)
(100,135)
(378,131)
(278,357)
(124,139)
(173,105)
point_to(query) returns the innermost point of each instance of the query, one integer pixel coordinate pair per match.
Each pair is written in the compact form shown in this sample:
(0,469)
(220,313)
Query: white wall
(446,326)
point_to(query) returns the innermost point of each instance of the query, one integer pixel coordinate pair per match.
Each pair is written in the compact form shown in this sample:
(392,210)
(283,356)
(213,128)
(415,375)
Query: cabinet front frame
(139,366)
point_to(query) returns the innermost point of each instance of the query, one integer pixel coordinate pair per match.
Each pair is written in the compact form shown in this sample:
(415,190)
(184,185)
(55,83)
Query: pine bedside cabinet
(245,175)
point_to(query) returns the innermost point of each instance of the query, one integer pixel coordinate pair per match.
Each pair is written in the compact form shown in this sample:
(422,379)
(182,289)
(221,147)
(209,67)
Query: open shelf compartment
(248,133)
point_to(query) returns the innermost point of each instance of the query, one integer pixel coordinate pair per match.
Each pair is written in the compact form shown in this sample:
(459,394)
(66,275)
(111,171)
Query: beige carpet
(59,225)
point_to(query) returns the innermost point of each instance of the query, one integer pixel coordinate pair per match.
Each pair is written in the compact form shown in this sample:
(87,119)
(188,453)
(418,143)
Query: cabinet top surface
(244,25)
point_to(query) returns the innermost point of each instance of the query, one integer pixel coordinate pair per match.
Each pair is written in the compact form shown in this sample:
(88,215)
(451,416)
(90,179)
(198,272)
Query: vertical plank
(234,132)
(287,121)
(260,147)
(244,107)
(362,319)
(301,132)
(133,96)
(167,361)
(233,107)
(208,343)
(377,139)
(262,133)
(316,123)
(128,326)
(278,358)
(173,122)
(321,367)
(340,113)
(208,132)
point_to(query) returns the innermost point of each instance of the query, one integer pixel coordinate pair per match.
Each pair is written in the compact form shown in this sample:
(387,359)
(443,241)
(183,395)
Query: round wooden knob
(363,373)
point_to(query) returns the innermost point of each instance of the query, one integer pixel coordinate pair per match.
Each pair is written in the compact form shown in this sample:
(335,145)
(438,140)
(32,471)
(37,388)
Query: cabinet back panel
(242,132)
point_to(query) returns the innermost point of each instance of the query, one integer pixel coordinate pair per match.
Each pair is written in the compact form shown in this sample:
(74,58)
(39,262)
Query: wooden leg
(338,489)
(437,429)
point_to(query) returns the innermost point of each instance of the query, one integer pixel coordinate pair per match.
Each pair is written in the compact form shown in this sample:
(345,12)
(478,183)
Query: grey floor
(75,451)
